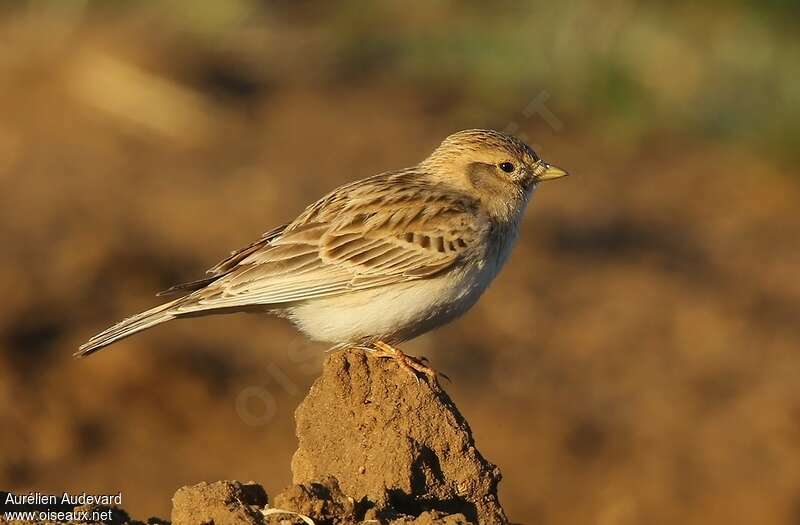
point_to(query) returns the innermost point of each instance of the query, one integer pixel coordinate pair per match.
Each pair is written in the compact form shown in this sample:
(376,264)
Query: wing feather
(380,231)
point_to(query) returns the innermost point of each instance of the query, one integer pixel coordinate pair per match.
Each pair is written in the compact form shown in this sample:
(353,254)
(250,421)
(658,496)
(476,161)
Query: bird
(378,261)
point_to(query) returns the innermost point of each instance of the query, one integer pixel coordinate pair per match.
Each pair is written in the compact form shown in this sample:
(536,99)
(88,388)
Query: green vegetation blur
(724,70)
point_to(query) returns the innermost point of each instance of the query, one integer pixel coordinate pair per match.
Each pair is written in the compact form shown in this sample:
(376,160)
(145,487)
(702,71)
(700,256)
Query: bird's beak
(550,172)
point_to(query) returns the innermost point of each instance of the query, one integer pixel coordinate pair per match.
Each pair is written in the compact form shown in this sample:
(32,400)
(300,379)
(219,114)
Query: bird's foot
(413,365)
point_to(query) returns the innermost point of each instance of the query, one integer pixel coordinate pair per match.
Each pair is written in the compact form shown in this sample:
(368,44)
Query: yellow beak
(551,172)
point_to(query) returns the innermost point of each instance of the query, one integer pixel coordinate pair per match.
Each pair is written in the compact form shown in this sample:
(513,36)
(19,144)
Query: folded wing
(379,233)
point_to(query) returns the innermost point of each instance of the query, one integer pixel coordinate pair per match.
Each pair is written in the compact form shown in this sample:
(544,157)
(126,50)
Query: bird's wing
(373,233)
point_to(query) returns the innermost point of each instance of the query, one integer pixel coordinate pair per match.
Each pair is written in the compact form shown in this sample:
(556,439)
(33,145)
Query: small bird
(378,261)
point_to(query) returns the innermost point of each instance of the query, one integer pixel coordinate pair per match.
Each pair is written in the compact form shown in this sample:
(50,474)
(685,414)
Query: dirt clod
(220,503)
(394,444)
(433,517)
(323,502)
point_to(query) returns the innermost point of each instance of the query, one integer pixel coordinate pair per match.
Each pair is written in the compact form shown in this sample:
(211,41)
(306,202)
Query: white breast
(400,312)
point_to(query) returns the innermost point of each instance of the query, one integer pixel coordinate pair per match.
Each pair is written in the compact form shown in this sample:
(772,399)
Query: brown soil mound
(400,445)
(374,445)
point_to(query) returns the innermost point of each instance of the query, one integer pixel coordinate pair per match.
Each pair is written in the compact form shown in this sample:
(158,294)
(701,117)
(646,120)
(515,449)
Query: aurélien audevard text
(82,498)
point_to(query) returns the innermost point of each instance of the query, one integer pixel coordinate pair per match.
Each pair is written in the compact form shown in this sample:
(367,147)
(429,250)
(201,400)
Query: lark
(378,261)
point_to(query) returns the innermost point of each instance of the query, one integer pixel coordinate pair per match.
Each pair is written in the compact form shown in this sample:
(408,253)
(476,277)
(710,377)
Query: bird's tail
(137,323)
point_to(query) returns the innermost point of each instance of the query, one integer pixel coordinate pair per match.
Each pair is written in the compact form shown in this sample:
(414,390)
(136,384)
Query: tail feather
(127,327)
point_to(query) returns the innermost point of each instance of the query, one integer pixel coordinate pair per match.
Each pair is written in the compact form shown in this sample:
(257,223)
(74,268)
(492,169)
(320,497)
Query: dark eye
(507,167)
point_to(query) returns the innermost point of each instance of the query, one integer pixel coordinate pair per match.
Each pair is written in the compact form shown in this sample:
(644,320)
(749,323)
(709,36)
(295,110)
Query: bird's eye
(507,167)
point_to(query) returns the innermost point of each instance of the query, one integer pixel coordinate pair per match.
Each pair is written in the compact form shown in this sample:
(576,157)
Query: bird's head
(499,169)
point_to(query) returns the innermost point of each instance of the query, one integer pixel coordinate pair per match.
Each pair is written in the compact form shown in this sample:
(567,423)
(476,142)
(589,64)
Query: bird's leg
(410,364)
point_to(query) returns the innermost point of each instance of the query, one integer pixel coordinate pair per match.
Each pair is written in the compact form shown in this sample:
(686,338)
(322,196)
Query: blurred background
(637,361)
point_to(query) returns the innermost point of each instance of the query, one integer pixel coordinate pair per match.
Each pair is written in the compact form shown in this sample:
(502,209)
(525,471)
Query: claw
(412,365)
